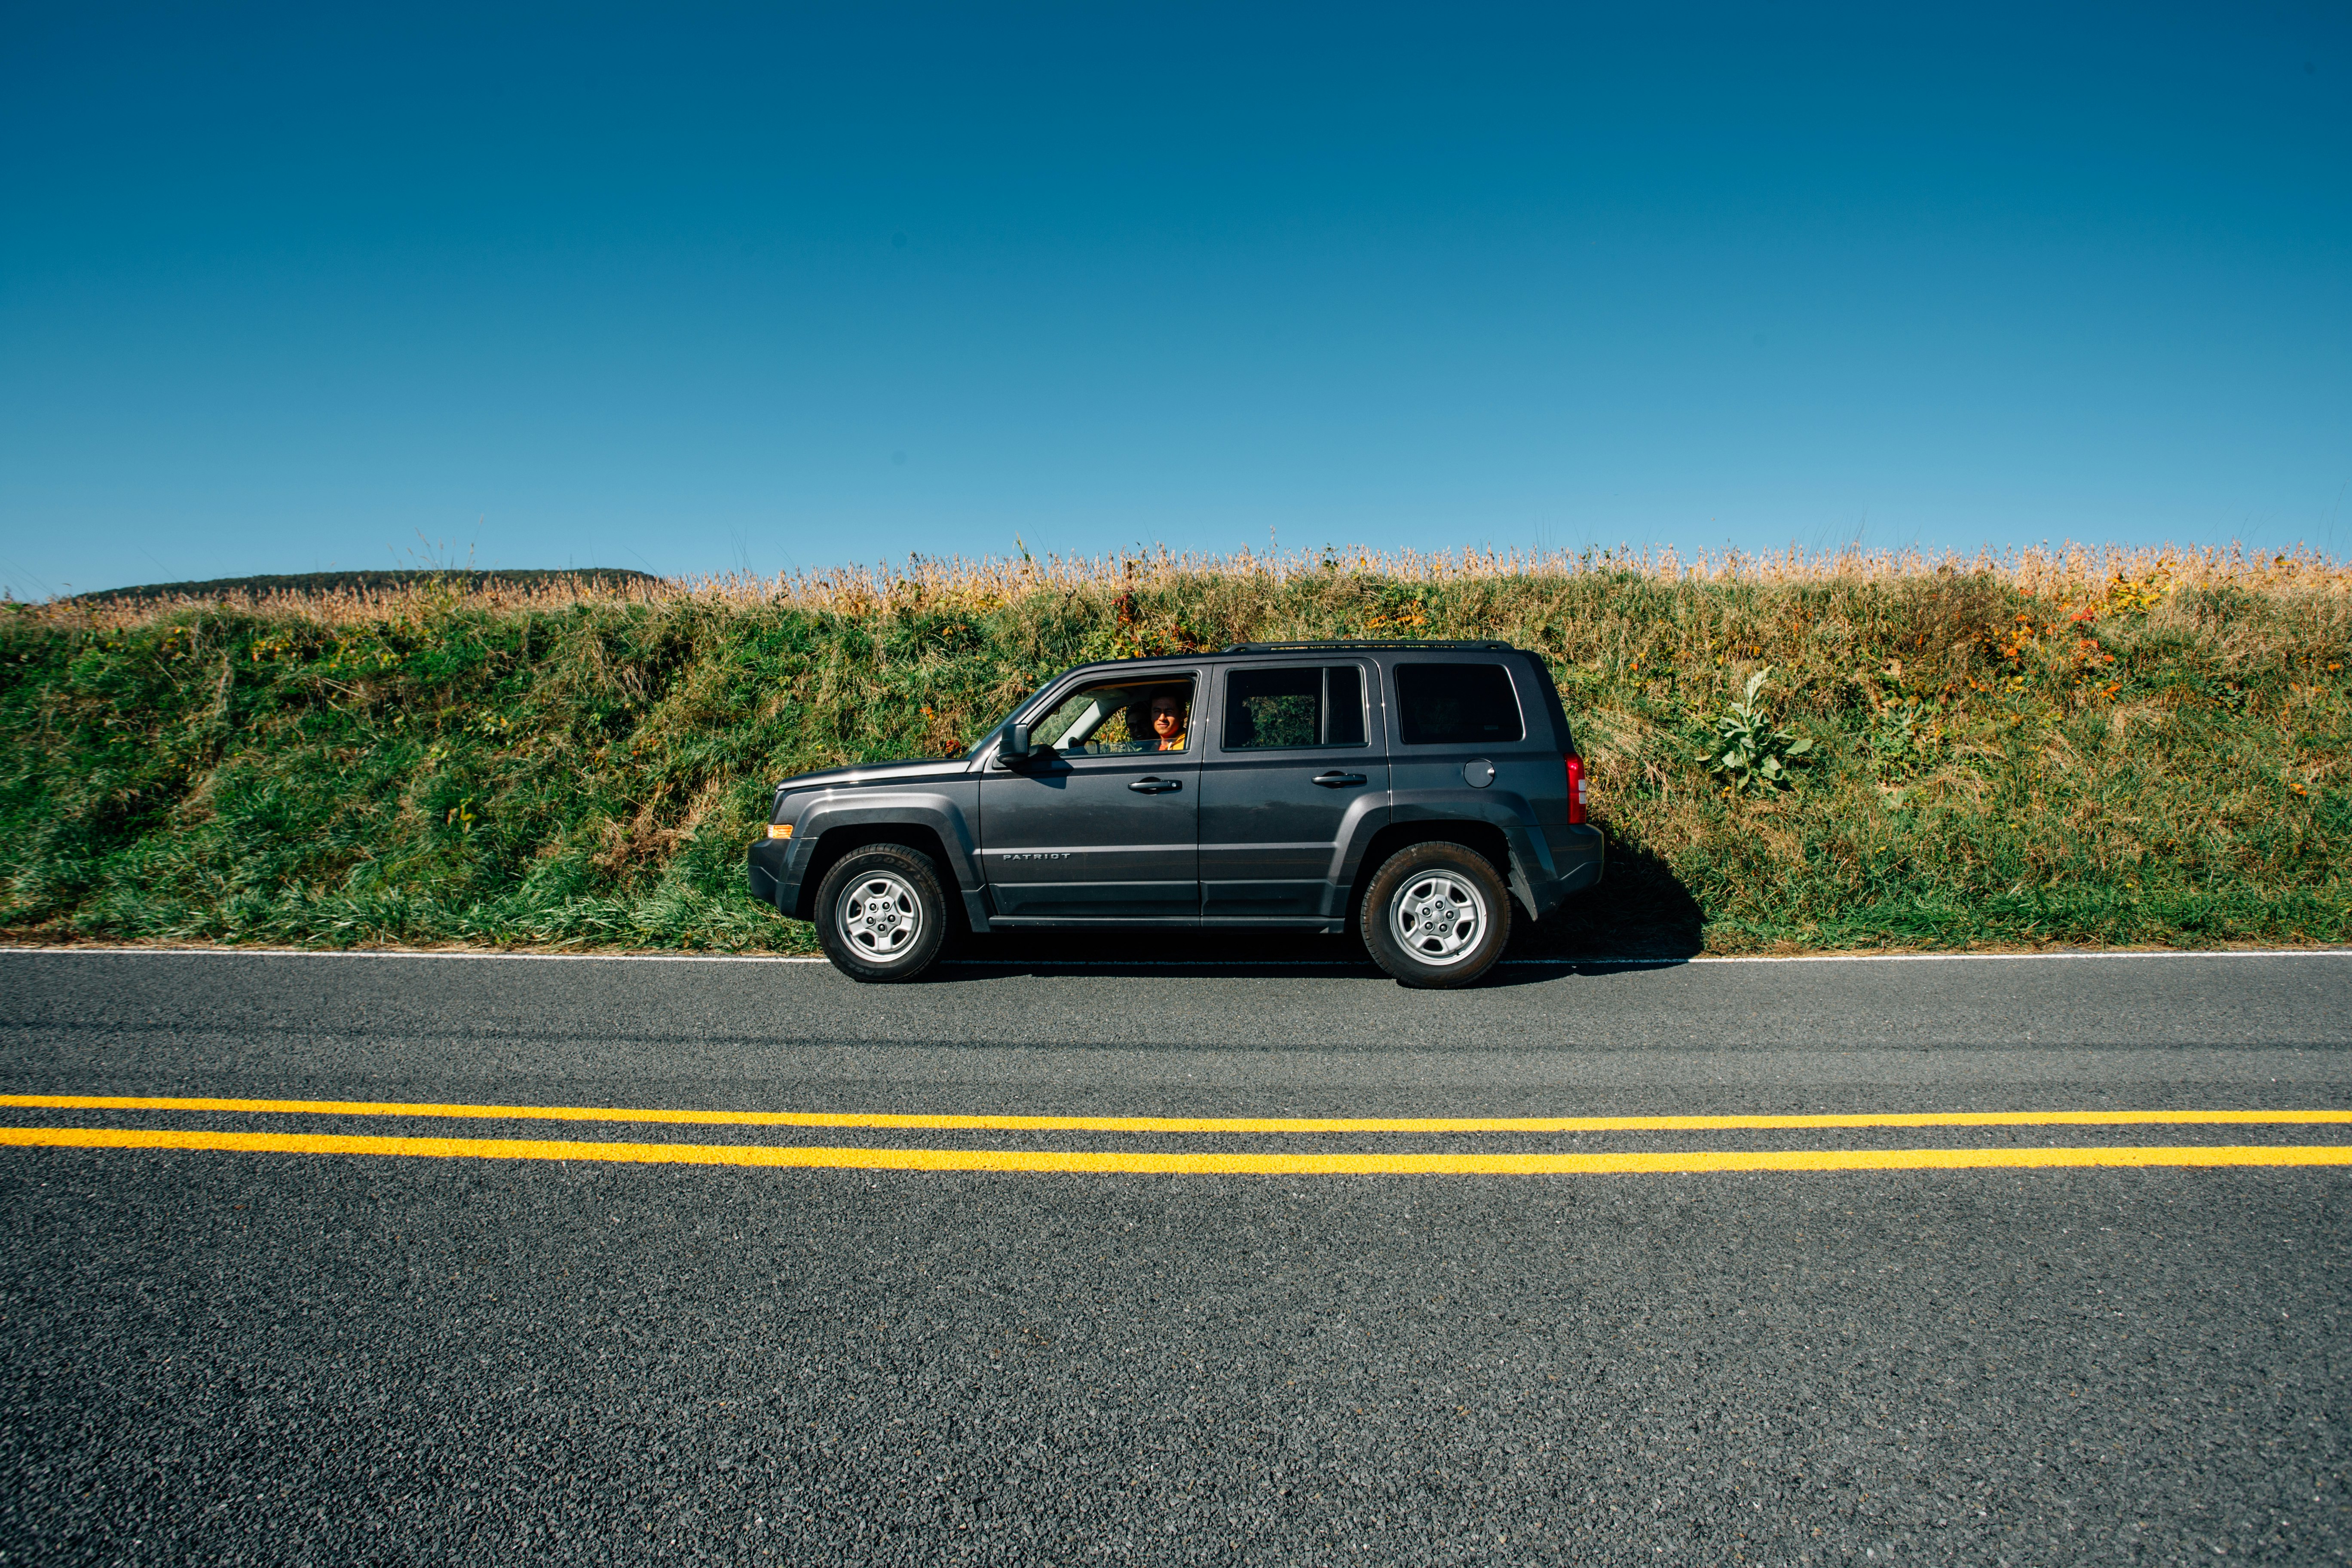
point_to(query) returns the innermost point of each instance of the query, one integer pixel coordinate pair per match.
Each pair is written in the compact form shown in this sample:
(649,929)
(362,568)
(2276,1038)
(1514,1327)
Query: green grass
(2123,763)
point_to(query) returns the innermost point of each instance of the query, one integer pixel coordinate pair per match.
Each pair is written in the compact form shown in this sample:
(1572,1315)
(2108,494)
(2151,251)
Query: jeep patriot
(1419,793)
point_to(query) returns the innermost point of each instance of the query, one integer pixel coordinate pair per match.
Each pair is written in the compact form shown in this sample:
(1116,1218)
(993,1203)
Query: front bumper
(770,873)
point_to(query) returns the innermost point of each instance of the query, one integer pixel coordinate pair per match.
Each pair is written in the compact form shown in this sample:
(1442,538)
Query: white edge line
(1977,957)
(98,952)
(91,951)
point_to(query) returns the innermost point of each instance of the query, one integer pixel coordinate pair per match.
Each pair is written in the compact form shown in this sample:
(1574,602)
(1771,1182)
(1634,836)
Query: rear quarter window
(1456,705)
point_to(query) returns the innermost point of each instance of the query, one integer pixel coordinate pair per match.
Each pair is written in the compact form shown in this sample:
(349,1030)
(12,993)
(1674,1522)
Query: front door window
(1119,719)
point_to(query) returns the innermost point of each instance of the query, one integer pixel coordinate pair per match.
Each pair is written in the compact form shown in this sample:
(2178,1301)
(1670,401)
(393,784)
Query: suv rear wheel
(1437,915)
(881,914)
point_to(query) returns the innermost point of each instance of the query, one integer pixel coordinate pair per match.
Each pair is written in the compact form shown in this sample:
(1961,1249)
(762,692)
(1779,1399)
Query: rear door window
(1271,710)
(1456,705)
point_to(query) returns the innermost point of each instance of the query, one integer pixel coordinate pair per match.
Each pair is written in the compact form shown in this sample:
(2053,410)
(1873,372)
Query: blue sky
(695,288)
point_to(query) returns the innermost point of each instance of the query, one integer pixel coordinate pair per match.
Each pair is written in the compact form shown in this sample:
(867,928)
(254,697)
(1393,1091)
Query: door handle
(1337,780)
(1155,786)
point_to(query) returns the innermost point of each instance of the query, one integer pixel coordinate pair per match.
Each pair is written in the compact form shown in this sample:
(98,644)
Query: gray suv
(1418,791)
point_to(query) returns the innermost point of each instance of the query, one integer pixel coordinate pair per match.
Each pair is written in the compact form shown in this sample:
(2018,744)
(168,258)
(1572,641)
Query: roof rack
(1362,645)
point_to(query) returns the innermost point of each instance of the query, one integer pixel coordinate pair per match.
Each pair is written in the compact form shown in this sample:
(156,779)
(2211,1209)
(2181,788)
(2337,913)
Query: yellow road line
(1198,1123)
(1089,1161)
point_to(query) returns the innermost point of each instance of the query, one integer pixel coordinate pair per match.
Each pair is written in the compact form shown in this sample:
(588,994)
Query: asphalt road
(211,1355)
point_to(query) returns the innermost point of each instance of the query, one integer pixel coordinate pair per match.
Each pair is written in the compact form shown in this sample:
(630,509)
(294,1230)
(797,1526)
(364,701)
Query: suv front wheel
(1437,915)
(880,914)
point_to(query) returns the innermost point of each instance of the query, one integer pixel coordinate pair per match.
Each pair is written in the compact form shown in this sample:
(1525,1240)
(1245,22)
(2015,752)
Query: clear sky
(695,288)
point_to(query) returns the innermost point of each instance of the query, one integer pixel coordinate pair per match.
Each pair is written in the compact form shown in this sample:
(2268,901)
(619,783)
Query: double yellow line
(1105,1160)
(1215,1124)
(1152,1162)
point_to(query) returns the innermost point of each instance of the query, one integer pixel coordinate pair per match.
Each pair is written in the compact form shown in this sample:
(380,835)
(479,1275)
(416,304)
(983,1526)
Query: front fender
(948,811)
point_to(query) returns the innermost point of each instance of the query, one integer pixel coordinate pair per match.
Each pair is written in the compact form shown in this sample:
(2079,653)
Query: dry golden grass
(2066,574)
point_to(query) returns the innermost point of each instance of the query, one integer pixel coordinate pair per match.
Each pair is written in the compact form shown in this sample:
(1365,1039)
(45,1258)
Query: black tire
(1436,916)
(899,922)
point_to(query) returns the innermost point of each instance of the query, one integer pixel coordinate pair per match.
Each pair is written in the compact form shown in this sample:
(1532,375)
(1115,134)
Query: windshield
(998,728)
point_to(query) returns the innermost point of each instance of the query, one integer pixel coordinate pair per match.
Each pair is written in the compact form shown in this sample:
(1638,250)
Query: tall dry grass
(2061,572)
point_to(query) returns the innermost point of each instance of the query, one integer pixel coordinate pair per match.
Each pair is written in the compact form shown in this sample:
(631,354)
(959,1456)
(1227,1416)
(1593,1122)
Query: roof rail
(1362,645)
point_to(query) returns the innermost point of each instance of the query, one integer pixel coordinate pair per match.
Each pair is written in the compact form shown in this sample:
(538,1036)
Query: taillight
(1575,788)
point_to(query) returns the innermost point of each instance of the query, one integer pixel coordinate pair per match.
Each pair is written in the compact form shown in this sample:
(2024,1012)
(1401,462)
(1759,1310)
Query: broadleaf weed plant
(1747,751)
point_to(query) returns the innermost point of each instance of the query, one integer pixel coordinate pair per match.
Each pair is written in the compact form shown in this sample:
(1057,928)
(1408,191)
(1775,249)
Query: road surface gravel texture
(212,1354)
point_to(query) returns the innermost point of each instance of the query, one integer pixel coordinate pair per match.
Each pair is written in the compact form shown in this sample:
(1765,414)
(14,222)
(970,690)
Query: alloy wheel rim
(1438,918)
(879,917)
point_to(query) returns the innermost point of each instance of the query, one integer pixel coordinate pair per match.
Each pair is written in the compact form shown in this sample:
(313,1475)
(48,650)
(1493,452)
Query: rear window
(1456,705)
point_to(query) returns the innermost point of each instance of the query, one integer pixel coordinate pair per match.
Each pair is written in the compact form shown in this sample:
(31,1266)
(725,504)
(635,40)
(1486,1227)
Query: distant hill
(335,581)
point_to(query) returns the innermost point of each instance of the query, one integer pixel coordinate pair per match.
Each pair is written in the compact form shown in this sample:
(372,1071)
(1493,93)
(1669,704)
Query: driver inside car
(1166,733)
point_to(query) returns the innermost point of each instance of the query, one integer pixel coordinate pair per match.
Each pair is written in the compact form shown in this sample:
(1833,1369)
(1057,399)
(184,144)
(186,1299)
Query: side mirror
(1016,744)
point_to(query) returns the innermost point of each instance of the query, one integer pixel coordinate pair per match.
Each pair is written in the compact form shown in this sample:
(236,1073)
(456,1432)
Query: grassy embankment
(2048,748)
